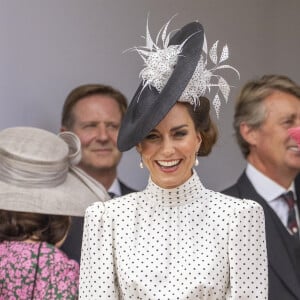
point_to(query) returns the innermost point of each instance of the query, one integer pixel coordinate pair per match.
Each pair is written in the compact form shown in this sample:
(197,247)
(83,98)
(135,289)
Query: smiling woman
(172,146)
(175,239)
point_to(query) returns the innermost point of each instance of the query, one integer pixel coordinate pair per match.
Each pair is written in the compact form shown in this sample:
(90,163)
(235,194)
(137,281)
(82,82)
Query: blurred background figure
(39,192)
(94,112)
(265,111)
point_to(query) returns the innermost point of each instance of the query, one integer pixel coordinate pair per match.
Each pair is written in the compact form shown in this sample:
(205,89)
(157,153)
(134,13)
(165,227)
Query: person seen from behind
(39,191)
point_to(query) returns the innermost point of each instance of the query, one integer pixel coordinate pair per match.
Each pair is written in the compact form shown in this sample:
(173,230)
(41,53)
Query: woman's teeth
(170,163)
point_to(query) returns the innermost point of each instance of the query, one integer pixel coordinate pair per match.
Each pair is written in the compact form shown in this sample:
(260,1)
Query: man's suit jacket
(283,249)
(72,244)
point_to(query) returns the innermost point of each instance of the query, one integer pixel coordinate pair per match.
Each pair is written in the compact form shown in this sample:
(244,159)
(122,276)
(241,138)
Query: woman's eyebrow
(172,129)
(179,127)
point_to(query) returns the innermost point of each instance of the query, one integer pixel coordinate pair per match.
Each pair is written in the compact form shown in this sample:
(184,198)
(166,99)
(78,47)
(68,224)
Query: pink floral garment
(56,277)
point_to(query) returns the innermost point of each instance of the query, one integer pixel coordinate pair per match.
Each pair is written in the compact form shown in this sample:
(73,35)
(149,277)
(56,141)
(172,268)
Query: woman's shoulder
(50,254)
(59,275)
(233,202)
(18,252)
(121,202)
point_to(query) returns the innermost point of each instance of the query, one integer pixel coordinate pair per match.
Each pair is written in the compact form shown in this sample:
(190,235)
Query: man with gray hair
(265,109)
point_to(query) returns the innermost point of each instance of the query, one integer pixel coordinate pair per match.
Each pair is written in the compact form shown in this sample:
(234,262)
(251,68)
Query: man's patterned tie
(292,221)
(112,195)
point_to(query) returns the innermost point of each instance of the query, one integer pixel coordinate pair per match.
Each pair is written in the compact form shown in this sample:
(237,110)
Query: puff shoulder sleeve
(97,272)
(247,252)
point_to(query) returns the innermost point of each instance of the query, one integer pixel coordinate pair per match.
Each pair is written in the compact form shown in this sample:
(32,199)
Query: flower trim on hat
(160,62)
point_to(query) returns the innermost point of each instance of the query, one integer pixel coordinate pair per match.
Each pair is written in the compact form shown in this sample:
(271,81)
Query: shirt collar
(115,188)
(266,187)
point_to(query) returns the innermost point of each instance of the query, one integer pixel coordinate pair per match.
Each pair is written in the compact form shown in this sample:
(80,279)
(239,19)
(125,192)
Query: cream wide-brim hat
(36,174)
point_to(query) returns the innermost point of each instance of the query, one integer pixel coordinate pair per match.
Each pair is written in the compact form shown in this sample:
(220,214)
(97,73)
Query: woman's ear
(138,148)
(199,139)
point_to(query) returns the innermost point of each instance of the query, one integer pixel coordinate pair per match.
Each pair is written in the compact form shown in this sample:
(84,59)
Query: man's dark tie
(292,221)
(112,194)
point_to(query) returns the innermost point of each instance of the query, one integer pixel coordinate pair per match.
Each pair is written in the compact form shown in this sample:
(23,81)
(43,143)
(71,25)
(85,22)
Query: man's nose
(102,133)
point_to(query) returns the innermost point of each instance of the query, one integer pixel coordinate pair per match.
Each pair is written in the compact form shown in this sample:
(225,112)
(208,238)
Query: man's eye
(112,126)
(288,122)
(89,125)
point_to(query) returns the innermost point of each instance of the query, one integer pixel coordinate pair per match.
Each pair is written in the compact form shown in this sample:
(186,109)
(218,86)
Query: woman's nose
(167,147)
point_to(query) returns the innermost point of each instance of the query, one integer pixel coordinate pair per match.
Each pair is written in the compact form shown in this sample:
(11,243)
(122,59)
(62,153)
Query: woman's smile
(169,150)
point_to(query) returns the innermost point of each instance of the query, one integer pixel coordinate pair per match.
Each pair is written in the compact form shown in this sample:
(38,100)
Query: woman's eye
(151,137)
(180,133)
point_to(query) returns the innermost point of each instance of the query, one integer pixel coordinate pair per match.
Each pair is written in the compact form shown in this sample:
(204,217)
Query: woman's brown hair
(203,124)
(20,226)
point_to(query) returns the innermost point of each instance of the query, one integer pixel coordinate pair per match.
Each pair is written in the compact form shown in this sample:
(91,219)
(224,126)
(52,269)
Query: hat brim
(148,107)
(70,198)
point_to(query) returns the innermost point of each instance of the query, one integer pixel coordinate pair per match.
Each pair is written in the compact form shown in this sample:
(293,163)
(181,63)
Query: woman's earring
(196,161)
(141,164)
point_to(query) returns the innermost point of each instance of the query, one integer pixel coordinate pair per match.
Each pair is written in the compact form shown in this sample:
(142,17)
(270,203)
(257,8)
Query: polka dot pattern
(183,243)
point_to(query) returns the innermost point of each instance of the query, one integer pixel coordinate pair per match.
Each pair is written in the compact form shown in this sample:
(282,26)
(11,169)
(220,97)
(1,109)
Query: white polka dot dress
(182,243)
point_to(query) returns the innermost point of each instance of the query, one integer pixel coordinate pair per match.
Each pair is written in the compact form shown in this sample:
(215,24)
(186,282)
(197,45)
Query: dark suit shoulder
(126,189)
(231,191)
(242,189)
(73,241)
(297,186)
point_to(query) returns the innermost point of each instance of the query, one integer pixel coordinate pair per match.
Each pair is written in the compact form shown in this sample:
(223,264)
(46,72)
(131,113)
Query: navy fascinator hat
(176,71)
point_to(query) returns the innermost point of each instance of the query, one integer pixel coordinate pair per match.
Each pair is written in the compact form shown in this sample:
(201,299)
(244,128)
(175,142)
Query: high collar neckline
(183,194)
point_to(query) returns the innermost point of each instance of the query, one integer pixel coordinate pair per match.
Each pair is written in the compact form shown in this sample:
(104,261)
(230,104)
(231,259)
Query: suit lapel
(278,257)
(297,188)
(125,189)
